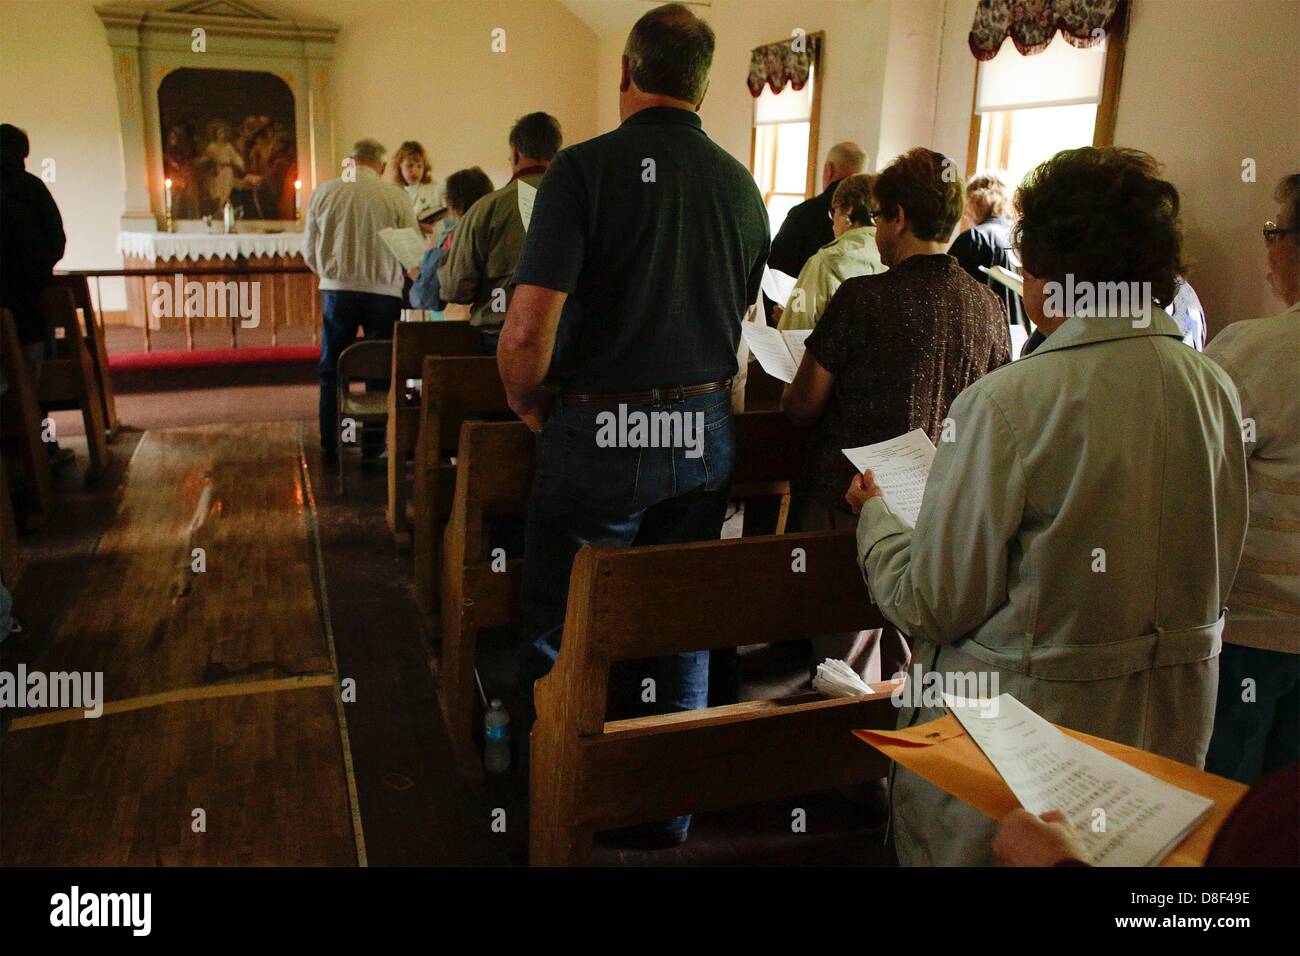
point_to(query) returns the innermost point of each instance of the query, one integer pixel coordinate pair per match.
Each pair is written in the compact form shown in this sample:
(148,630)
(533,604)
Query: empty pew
(494,475)
(493,478)
(20,420)
(453,389)
(589,775)
(412,341)
(68,380)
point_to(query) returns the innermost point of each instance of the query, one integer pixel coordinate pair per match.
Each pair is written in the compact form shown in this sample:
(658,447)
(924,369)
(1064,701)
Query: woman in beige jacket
(1081,529)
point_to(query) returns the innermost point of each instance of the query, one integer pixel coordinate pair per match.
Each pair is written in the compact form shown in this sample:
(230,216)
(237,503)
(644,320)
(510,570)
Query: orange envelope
(942,753)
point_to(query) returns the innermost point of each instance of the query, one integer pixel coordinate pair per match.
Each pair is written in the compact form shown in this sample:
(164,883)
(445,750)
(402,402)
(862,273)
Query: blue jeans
(587,494)
(1253,738)
(342,314)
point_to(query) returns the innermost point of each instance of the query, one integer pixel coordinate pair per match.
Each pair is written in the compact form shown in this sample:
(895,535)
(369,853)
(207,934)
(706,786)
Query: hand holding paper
(900,467)
(406,244)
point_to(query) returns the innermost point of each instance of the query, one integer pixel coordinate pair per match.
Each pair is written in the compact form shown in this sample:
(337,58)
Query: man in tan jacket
(479,269)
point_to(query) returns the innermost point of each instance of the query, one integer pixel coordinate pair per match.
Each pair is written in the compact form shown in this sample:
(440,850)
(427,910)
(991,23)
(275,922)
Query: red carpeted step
(214,358)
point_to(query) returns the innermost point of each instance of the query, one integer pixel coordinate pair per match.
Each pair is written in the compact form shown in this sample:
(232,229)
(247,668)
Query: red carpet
(214,358)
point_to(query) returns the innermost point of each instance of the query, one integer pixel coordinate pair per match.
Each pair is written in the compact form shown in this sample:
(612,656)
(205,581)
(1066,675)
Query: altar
(210,280)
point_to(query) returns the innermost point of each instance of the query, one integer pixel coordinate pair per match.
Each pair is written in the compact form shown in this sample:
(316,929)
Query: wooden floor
(107,586)
(230,670)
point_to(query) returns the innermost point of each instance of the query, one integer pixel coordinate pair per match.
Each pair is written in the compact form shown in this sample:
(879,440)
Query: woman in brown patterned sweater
(891,353)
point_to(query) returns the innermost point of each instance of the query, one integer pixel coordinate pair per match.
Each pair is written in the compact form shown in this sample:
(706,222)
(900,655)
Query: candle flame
(167,182)
(297,184)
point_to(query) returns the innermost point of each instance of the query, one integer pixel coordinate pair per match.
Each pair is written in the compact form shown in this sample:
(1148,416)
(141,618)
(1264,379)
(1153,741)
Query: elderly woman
(1262,641)
(892,351)
(1078,537)
(852,253)
(985,239)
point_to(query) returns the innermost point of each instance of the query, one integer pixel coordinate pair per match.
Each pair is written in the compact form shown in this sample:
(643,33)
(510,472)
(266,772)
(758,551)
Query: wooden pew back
(494,476)
(412,341)
(589,774)
(453,390)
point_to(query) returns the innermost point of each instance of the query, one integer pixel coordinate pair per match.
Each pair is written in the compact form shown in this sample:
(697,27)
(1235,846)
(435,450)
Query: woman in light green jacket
(1081,529)
(852,253)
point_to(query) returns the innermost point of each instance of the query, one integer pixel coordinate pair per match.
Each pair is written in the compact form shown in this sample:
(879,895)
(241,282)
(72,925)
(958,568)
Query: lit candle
(297,197)
(167,195)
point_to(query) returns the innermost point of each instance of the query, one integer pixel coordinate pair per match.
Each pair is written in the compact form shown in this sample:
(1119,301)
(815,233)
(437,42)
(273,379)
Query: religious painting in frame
(228,135)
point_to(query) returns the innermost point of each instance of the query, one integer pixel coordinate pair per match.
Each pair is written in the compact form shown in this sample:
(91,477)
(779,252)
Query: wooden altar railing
(279,293)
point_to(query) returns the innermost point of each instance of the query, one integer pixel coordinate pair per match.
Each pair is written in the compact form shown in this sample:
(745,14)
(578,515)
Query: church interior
(309,559)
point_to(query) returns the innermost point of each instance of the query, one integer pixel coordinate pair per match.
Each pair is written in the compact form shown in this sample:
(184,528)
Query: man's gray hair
(669,52)
(847,157)
(369,151)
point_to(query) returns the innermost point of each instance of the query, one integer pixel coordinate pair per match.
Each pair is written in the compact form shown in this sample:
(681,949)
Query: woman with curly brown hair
(1079,534)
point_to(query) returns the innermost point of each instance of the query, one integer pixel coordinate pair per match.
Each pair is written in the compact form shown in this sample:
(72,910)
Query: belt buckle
(667,396)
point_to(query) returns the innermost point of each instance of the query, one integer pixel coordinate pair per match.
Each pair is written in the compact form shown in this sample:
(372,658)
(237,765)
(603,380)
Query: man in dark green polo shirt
(645,247)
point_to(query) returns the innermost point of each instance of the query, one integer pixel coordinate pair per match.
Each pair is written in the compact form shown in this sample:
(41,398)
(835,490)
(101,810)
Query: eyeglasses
(871,215)
(1273,231)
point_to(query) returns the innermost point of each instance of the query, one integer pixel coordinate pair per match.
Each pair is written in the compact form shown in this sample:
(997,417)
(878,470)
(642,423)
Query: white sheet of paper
(771,349)
(900,466)
(794,341)
(406,244)
(777,286)
(527,195)
(1122,816)
(1007,278)
(1018,339)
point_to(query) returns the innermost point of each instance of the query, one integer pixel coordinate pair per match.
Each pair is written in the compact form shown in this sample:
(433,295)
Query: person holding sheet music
(414,173)
(890,354)
(853,252)
(360,279)
(985,240)
(1083,519)
(479,267)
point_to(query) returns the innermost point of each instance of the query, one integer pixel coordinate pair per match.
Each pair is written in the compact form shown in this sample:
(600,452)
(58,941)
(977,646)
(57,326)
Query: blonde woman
(414,173)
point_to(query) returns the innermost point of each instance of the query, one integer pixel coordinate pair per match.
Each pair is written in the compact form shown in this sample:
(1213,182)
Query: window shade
(1062,75)
(788,106)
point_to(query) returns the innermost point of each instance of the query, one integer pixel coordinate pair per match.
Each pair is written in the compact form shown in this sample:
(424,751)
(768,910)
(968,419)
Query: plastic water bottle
(496,727)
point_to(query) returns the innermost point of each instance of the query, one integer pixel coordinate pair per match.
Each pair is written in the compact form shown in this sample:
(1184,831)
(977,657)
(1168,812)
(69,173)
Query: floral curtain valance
(1033,23)
(780,64)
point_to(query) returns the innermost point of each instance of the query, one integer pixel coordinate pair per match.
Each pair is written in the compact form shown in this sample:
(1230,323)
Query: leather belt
(654,396)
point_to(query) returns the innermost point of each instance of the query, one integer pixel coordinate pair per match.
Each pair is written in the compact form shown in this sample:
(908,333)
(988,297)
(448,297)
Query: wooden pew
(493,478)
(589,775)
(412,341)
(79,286)
(769,454)
(762,391)
(68,380)
(20,419)
(453,390)
(494,475)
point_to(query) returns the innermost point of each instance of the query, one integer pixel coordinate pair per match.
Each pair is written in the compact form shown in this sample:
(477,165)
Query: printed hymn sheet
(900,467)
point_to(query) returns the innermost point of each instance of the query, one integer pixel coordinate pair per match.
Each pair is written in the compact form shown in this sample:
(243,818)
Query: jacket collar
(1088,330)
(535,169)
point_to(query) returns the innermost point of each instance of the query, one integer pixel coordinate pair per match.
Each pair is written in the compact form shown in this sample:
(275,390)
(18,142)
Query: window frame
(814,119)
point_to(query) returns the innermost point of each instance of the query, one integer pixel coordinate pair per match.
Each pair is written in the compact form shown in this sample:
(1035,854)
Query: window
(1028,108)
(784,146)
